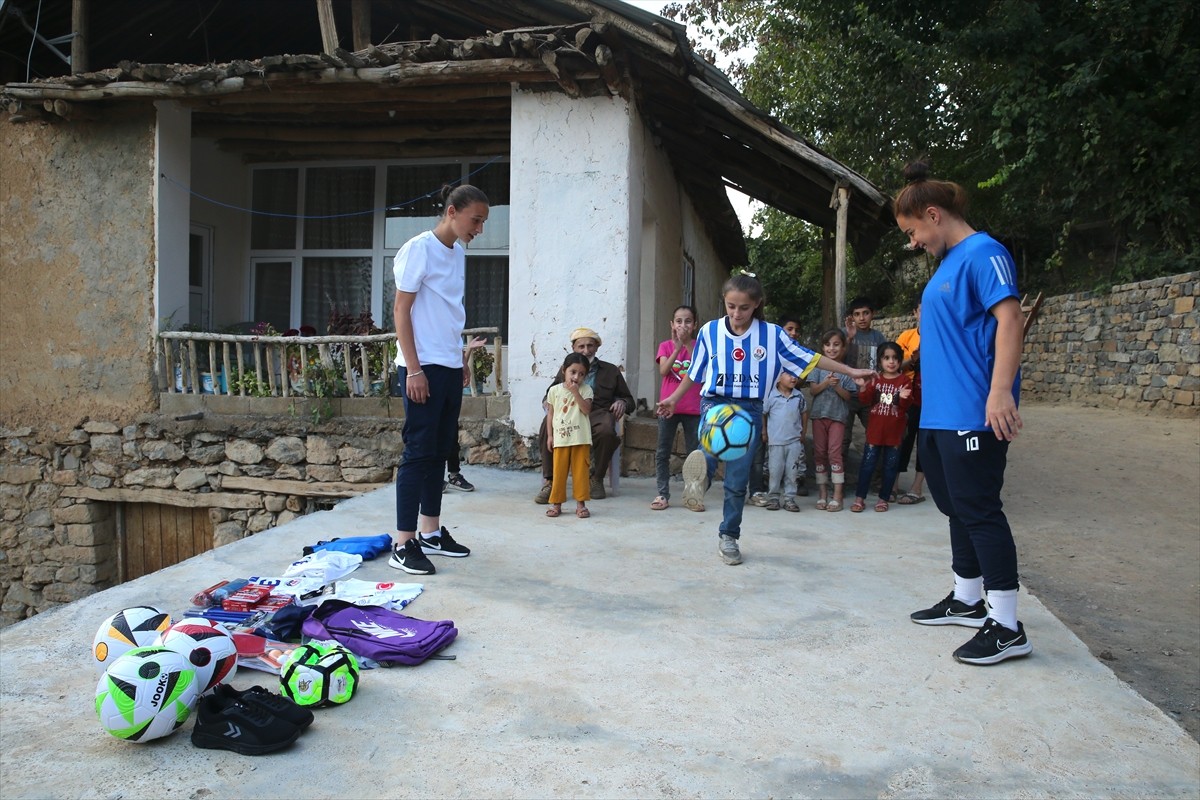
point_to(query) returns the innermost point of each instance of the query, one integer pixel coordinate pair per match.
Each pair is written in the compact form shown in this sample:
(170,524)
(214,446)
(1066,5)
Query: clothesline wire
(393,207)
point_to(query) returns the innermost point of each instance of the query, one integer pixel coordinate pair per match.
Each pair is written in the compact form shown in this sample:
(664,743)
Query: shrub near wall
(1135,347)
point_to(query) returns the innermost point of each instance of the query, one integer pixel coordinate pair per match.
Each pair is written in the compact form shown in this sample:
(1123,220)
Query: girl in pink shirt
(674,359)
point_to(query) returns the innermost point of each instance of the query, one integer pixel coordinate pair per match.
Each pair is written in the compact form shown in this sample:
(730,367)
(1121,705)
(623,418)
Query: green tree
(1070,121)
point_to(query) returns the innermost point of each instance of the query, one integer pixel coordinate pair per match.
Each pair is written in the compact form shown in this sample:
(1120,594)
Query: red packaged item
(245,598)
(204,599)
(274,603)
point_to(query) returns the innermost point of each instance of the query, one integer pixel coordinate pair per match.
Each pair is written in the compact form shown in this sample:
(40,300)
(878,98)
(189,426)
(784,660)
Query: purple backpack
(379,633)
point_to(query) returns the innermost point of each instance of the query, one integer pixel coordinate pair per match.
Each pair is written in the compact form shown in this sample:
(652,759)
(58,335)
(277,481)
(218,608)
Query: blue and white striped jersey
(746,366)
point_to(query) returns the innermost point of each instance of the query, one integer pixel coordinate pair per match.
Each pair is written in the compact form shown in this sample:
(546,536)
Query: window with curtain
(328,284)
(274,192)
(487,293)
(346,196)
(273,293)
(335,262)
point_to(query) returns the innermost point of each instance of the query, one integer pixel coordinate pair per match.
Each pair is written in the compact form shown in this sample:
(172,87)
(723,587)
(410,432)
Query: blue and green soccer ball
(726,431)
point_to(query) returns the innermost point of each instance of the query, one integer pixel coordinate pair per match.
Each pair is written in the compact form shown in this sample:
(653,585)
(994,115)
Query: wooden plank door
(157,536)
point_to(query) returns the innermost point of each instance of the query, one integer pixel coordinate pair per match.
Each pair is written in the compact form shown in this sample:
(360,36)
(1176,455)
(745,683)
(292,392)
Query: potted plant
(381,357)
(483,363)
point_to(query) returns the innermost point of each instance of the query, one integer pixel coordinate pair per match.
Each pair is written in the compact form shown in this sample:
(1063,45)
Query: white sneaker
(695,480)
(728,548)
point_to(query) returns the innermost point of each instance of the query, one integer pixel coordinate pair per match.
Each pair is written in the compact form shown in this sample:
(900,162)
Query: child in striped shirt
(737,359)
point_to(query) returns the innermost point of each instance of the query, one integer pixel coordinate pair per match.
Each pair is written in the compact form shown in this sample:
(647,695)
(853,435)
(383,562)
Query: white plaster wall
(223,177)
(172,157)
(571,252)
(711,271)
(661,258)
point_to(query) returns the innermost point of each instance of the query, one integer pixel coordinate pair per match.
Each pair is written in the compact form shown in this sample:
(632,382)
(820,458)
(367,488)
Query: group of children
(786,417)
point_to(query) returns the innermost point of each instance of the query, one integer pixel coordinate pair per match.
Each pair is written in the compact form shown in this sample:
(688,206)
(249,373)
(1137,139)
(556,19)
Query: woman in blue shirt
(971,336)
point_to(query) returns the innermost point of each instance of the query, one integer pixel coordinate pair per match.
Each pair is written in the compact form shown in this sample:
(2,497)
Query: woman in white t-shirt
(430,272)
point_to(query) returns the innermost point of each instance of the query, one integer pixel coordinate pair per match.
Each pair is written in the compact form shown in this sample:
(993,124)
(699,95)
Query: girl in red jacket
(888,396)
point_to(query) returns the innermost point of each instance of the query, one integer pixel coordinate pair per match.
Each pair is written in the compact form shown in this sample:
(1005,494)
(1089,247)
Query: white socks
(968,590)
(1004,607)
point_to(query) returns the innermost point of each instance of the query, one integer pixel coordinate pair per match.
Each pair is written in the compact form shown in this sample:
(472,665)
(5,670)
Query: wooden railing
(192,362)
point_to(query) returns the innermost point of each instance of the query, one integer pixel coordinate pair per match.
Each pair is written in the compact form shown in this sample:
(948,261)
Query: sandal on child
(910,499)
(882,505)
(822,504)
(858,506)
(660,503)
(553,511)
(582,513)
(833,505)
(790,505)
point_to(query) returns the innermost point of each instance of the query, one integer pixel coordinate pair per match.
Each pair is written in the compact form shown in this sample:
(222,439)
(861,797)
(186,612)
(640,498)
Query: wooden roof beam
(258,151)
(497,70)
(333,133)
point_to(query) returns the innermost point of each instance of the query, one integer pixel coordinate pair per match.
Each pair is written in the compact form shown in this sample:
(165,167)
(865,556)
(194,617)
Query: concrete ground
(618,657)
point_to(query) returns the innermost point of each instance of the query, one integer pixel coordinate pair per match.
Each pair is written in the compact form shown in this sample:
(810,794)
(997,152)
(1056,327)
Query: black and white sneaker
(458,483)
(226,723)
(994,643)
(268,701)
(443,545)
(952,612)
(409,558)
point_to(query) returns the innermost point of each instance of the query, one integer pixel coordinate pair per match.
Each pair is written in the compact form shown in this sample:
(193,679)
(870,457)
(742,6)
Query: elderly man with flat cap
(611,400)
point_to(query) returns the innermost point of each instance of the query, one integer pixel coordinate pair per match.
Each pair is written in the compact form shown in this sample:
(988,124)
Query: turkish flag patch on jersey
(739,354)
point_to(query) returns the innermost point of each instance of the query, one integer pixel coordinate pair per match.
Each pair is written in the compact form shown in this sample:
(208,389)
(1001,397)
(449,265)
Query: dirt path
(1105,507)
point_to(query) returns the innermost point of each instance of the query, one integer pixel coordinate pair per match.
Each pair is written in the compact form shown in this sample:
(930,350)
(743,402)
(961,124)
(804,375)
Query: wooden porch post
(79,25)
(841,202)
(360,24)
(329,37)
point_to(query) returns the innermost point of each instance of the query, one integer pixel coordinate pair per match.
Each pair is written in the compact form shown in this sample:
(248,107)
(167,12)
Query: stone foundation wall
(1135,347)
(60,490)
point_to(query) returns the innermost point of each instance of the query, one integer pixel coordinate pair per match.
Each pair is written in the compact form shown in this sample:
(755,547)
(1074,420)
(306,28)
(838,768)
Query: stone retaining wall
(60,491)
(1135,347)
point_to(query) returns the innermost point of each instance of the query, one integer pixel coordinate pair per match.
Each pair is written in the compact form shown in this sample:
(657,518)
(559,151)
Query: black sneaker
(224,723)
(458,483)
(952,612)
(273,704)
(994,643)
(409,558)
(443,545)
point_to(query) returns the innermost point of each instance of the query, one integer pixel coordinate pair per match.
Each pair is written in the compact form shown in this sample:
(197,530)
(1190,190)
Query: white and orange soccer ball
(139,626)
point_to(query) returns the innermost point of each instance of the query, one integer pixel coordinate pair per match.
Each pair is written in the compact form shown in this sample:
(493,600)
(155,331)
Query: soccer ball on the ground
(207,646)
(726,431)
(316,674)
(146,694)
(133,627)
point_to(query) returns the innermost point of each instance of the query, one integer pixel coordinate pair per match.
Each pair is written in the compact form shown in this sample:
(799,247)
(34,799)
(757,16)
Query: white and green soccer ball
(317,674)
(146,694)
